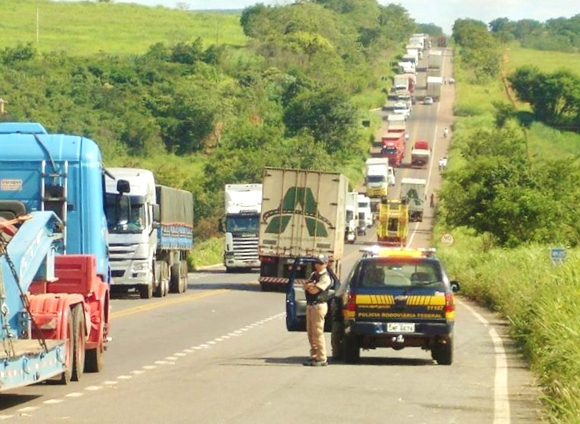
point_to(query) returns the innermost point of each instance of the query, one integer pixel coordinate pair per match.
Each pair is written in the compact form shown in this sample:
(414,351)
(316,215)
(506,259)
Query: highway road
(220,353)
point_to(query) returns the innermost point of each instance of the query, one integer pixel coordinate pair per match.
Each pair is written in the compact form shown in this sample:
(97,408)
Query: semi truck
(414,194)
(434,59)
(393,149)
(401,82)
(393,223)
(434,85)
(137,217)
(365,215)
(379,175)
(352,227)
(420,154)
(243,204)
(303,214)
(54,290)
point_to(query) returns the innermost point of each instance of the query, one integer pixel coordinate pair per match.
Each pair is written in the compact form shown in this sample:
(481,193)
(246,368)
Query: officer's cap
(322,259)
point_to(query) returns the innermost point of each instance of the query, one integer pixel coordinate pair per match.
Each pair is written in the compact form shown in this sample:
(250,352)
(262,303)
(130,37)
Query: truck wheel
(145,291)
(78,363)
(351,349)
(166,281)
(157,280)
(94,358)
(183,277)
(174,278)
(69,353)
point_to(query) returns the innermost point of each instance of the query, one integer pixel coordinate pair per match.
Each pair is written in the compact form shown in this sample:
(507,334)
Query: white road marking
(176,356)
(53,401)
(74,394)
(28,409)
(501,398)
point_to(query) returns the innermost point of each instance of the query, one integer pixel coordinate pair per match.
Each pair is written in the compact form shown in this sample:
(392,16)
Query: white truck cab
(364,211)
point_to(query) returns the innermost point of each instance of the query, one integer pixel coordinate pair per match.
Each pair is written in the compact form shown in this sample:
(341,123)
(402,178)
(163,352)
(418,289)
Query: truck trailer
(303,214)
(414,194)
(138,259)
(420,154)
(434,85)
(54,290)
(243,204)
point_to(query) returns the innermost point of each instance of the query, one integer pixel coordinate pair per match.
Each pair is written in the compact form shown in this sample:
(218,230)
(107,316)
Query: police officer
(316,291)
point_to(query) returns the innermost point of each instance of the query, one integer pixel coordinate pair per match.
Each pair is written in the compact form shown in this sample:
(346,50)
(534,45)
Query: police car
(394,298)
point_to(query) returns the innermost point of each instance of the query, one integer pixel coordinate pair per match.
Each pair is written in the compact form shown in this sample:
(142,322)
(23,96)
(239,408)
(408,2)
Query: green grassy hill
(89,27)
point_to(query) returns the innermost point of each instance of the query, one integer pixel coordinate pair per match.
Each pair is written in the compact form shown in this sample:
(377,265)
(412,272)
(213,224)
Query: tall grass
(85,28)
(547,61)
(540,300)
(207,252)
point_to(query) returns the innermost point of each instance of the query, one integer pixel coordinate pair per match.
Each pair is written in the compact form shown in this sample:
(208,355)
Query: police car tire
(444,354)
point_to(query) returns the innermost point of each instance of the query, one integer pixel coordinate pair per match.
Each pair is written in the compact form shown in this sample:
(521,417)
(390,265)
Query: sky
(442,13)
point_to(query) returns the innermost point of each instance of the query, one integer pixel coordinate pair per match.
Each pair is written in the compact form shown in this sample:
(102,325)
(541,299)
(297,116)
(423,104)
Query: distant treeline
(559,34)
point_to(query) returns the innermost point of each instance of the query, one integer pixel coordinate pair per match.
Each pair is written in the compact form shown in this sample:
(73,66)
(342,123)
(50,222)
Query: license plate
(400,327)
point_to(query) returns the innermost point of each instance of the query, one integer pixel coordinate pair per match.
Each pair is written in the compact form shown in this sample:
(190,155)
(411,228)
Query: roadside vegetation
(510,195)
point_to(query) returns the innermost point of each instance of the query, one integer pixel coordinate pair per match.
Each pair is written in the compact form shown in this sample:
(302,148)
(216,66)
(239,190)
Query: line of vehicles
(71,232)
(394,297)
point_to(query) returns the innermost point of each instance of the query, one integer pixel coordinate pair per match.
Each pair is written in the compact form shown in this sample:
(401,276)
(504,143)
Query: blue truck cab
(59,173)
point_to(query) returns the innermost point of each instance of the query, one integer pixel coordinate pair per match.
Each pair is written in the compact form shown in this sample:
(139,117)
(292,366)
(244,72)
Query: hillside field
(86,28)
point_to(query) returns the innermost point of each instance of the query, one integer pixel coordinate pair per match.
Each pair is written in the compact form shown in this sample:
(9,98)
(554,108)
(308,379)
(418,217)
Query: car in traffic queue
(300,272)
(428,100)
(394,298)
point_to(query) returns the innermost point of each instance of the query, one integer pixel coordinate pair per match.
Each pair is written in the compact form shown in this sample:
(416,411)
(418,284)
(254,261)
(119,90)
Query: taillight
(449,303)
(267,259)
(351,302)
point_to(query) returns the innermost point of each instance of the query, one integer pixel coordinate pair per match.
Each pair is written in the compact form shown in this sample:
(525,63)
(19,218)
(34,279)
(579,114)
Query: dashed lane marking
(23,412)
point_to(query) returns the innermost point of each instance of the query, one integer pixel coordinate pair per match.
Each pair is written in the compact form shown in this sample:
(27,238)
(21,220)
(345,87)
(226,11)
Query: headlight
(140,266)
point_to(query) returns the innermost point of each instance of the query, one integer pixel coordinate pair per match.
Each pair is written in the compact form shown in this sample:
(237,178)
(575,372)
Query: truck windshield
(389,151)
(376,178)
(243,224)
(125,214)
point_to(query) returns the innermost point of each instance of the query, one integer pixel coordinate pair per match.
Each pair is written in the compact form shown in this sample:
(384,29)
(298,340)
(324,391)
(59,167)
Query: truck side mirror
(156,215)
(123,186)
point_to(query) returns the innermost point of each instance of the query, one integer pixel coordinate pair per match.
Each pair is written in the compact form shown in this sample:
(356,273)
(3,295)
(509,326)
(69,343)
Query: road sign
(557,255)
(447,239)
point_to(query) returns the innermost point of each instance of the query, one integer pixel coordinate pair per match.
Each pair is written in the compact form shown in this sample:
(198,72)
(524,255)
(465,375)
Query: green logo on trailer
(413,196)
(298,201)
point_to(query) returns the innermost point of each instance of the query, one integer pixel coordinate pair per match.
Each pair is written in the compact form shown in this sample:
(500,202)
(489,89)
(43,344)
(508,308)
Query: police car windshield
(400,272)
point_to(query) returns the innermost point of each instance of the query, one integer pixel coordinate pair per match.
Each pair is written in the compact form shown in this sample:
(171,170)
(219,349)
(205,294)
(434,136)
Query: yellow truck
(393,225)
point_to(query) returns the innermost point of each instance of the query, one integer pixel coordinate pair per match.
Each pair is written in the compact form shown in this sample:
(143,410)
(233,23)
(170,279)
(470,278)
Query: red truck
(420,154)
(394,147)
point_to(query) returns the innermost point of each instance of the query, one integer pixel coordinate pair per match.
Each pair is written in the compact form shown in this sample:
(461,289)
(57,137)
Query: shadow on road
(298,360)
(10,400)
